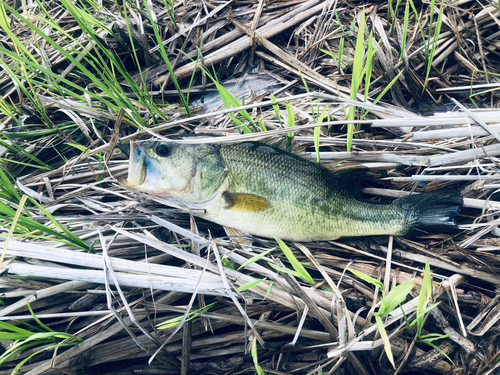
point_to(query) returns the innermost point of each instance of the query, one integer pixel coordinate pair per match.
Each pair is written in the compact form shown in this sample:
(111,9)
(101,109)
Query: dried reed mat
(110,266)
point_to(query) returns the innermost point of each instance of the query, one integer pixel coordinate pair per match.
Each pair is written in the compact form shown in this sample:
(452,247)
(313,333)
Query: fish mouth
(137,169)
(144,173)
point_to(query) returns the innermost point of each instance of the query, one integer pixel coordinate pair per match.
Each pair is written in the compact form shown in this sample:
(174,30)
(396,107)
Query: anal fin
(239,237)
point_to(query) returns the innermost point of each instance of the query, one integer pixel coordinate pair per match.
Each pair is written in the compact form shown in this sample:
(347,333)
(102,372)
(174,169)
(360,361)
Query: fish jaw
(136,168)
(143,173)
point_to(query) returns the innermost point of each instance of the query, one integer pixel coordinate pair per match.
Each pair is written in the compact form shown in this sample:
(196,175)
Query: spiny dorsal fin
(281,142)
(245,202)
(347,171)
(349,176)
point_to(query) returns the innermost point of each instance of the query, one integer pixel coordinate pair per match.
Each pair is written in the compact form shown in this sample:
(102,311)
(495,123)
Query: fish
(256,188)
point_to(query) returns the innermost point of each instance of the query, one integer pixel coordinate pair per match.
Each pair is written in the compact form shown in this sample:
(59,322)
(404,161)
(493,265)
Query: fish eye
(163,150)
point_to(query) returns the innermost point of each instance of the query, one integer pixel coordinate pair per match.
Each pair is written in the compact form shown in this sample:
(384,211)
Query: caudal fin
(435,210)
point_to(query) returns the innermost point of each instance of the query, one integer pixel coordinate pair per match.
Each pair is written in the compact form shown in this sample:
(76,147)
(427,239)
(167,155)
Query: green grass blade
(387,343)
(368,65)
(21,364)
(415,13)
(276,109)
(12,228)
(48,329)
(249,285)
(193,314)
(304,82)
(255,357)
(255,258)
(261,124)
(341,53)
(356,78)
(70,236)
(368,279)
(227,262)
(440,351)
(169,6)
(290,123)
(164,55)
(405,29)
(395,297)
(297,266)
(9,327)
(284,270)
(430,57)
(424,297)
(317,132)
(269,289)
(345,35)
(7,189)
(384,91)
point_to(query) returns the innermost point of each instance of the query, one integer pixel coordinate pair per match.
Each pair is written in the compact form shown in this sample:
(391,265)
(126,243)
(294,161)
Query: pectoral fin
(246,202)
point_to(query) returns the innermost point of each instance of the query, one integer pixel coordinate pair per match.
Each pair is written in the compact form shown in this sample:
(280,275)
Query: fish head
(192,173)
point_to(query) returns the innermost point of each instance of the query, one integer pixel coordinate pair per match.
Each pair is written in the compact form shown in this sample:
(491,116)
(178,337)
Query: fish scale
(307,201)
(256,188)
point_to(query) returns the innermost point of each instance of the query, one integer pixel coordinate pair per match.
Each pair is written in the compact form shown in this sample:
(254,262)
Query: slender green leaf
(255,258)
(384,91)
(169,6)
(437,31)
(227,262)
(290,123)
(304,82)
(12,228)
(48,329)
(424,297)
(434,336)
(250,285)
(269,289)
(70,236)
(422,314)
(387,343)
(368,65)
(301,271)
(341,53)
(164,55)
(405,29)
(276,108)
(50,347)
(395,297)
(9,327)
(356,77)
(368,279)
(255,358)
(261,124)
(284,270)
(440,351)
(193,314)
(317,132)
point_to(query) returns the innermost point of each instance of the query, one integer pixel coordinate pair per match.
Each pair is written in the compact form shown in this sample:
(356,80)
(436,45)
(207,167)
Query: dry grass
(154,262)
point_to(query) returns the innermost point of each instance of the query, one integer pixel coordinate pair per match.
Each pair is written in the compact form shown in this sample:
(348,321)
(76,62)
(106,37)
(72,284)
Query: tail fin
(435,210)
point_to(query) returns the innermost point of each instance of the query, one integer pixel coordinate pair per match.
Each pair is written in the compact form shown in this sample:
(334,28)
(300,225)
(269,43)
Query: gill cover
(191,173)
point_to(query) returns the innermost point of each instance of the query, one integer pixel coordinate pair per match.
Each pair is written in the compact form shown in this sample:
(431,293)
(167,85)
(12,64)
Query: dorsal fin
(348,175)
(281,143)
(347,171)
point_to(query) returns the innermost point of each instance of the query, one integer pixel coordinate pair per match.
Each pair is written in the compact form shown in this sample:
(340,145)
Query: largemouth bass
(255,188)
